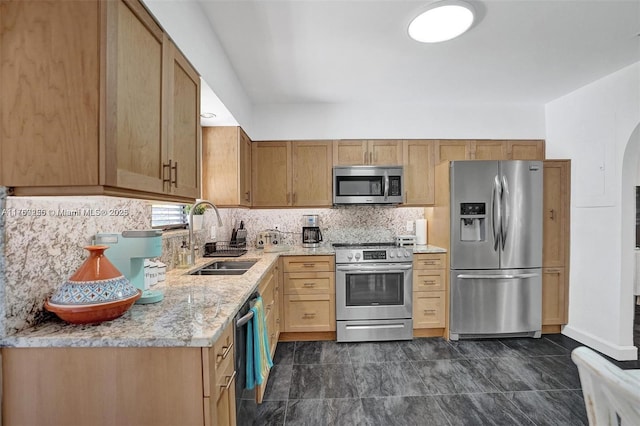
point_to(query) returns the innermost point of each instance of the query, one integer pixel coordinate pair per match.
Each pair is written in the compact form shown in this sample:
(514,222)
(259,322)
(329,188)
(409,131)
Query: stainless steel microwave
(368,185)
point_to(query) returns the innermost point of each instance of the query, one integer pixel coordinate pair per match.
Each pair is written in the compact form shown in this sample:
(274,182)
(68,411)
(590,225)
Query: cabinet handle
(429,282)
(288,197)
(226,350)
(552,214)
(175,170)
(277,320)
(247,196)
(294,197)
(426,311)
(370,158)
(309,284)
(553,271)
(164,167)
(309,315)
(364,157)
(229,381)
(308,265)
(429,262)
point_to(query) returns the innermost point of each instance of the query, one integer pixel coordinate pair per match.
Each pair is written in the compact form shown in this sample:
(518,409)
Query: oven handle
(389,267)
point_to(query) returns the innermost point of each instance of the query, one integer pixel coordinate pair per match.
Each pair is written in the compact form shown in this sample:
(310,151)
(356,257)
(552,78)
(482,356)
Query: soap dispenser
(183,255)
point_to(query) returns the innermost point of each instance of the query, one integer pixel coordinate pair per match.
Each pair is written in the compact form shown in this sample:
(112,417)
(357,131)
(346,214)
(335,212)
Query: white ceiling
(358,51)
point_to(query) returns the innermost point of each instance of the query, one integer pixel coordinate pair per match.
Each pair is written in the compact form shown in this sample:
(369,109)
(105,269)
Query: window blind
(168,216)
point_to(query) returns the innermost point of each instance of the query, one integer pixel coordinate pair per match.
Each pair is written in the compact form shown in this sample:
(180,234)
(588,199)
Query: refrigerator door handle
(495,212)
(504,211)
(495,276)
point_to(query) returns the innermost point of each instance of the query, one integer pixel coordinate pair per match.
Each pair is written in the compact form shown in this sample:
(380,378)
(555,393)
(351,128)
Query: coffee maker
(311,235)
(128,251)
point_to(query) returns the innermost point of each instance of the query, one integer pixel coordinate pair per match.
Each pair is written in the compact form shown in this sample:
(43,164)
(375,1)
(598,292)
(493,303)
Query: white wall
(191,31)
(405,120)
(593,126)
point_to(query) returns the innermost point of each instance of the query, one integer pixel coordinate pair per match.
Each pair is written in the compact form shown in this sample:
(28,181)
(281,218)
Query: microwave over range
(368,185)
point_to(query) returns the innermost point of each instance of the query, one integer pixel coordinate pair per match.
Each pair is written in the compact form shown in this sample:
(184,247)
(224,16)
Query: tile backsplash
(42,239)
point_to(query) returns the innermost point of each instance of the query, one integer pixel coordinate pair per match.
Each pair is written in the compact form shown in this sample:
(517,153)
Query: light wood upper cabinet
(184,131)
(488,150)
(226,166)
(271,174)
(418,172)
(367,152)
(289,173)
(450,150)
(526,150)
(110,107)
(312,173)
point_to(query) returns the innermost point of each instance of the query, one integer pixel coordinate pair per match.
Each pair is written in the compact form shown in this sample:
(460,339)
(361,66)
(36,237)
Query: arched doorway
(630,179)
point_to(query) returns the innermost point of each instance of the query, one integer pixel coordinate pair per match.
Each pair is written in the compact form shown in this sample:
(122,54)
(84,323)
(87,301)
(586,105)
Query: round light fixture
(442,21)
(208,115)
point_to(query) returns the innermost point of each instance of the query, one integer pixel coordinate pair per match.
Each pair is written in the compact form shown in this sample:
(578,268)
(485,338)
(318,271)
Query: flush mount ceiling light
(442,21)
(208,115)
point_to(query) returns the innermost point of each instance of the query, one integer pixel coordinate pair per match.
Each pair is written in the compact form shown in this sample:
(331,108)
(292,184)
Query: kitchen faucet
(192,261)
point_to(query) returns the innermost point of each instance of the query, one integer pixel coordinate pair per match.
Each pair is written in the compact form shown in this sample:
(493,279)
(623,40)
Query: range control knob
(406,253)
(392,254)
(357,256)
(350,256)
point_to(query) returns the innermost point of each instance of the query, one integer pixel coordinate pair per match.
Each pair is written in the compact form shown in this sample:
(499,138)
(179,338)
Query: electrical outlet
(409,225)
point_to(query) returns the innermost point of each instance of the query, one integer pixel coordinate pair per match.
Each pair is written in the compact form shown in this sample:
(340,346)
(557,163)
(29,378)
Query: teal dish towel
(259,360)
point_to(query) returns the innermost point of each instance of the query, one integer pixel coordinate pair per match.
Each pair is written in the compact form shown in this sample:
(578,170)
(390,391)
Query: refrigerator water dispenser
(472,221)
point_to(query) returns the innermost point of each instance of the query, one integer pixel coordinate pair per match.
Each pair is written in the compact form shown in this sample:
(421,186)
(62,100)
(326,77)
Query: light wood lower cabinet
(309,293)
(430,293)
(117,386)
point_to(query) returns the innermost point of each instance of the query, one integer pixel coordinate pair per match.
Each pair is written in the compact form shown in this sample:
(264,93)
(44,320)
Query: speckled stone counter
(194,311)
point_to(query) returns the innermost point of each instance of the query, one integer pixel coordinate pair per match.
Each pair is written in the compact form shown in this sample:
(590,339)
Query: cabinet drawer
(225,373)
(309,283)
(430,261)
(314,312)
(223,347)
(429,309)
(428,279)
(308,263)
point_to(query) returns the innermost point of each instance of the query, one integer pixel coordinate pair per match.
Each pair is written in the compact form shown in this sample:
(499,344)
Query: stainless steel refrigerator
(496,248)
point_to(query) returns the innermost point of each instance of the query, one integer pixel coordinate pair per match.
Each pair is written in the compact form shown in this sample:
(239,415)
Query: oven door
(373,291)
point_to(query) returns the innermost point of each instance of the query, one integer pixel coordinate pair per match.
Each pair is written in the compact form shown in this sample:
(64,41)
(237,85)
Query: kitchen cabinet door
(49,102)
(554,296)
(525,150)
(418,165)
(184,133)
(226,166)
(449,150)
(489,150)
(135,152)
(349,153)
(312,173)
(271,174)
(555,223)
(385,152)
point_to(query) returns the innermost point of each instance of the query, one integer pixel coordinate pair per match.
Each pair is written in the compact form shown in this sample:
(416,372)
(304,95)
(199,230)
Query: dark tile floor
(422,382)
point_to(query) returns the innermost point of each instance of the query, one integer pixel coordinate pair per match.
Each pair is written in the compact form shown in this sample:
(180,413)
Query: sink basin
(225,267)
(219,272)
(230,264)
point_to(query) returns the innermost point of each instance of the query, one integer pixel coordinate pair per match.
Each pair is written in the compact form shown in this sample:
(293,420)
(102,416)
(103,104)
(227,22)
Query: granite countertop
(193,313)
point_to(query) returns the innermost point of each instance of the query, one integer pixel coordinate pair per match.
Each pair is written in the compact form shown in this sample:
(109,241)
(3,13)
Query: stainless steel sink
(230,264)
(219,272)
(225,267)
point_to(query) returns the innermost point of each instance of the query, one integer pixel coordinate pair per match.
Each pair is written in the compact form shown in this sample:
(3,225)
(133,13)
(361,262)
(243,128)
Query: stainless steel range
(374,284)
